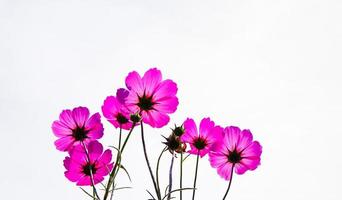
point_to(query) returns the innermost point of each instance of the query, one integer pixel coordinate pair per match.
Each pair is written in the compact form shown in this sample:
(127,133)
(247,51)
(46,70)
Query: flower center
(121,119)
(80,133)
(200,143)
(145,103)
(234,156)
(89,169)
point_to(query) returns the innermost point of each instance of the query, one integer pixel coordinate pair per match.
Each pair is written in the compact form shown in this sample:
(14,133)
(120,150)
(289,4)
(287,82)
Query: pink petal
(252,163)
(245,139)
(231,137)
(205,126)
(217,159)
(64,143)
(95,126)
(134,82)
(168,105)
(253,150)
(66,162)
(121,95)
(73,176)
(84,181)
(80,115)
(151,80)
(106,157)
(155,119)
(240,168)
(66,118)
(225,170)
(95,150)
(165,90)
(190,131)
(60,129)
(110,107)
(104,170)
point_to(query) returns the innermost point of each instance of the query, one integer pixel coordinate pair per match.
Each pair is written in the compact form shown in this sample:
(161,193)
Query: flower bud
(135,118)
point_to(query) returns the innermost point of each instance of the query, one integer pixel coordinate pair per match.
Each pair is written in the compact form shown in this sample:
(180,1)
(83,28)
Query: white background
(268,65)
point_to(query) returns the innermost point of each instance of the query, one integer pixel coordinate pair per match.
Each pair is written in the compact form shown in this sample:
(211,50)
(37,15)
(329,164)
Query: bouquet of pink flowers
(148,100)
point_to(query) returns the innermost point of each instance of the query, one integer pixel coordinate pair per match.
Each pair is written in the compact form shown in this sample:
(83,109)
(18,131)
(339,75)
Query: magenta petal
(240,168)
(110,107)
(73,176)
(190,131)
(168,105)
(232,135)
(66,162)
(217,159)
(245,140)
(166,89)
(84,181)
(60,130)
(94,126)
(225,170)
(151,80)
(66,118)
(80,115)
(134,82)
(106,157)
(121,95)
(156,119)
(205,127)
(95,150)
(64,143)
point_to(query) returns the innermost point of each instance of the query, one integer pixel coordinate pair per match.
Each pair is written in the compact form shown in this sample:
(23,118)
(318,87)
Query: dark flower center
(200,143)
(145,103)
(121,119)
(178,131)
(80,133)
(89,169)
(234,156)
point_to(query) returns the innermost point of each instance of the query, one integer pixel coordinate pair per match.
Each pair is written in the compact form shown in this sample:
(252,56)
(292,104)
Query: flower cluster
(148,99)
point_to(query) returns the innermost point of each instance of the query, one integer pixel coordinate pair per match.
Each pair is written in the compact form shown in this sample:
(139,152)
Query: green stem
(119,147)
(181,177)
(170,176)
(157,169)
(117,164)
(230,182)
(195,180)
(148,162)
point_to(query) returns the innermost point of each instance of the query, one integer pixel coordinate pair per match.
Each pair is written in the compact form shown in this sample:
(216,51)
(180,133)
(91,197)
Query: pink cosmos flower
(200,142)
(151,97)
(238,150)
(74,127)
(79,169)
(115,111)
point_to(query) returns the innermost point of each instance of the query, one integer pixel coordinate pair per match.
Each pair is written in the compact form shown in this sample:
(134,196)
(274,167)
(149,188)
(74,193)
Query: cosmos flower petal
(80,115)
(240,168)
(134,82)
(85,180)
(106,157)
(66,118)
(64,143)
(156,119)
(168,105)
(245,139)
(151,80)
(217,159)
(60,130)
(205,127)
(73,176)
(166,89)
(95,150)
(121,95)
(225,170)
(190,131)
(94,126)
(232,135)
(253,150)
(110,107)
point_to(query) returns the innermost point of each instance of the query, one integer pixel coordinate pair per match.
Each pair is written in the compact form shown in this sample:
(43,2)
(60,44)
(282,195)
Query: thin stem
(148,162)
(157,168)
(119,147)
(90,170)
(170,176)
(194,191)
(181,177)
(117,164)
(230,182)
(120,137)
